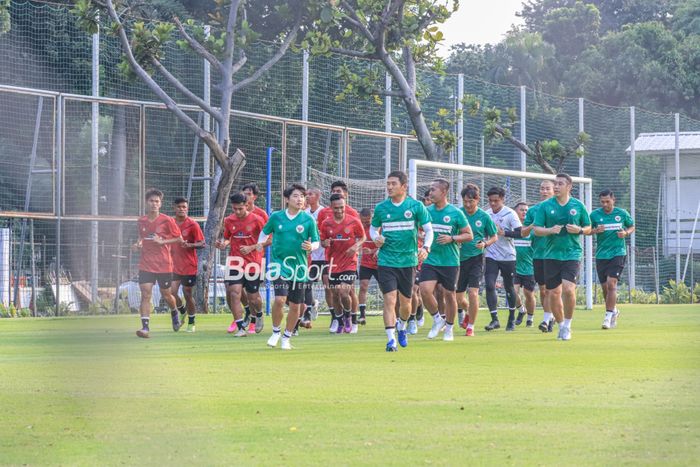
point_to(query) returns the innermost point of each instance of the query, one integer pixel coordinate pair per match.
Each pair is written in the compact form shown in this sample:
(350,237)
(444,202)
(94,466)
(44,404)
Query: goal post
(422,172)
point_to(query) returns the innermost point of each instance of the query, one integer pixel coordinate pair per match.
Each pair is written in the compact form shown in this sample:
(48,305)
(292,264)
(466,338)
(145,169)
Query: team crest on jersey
(300,228)
(347,231)
(388,216)
(478,223)
(618,218)
(407,214)
(572,212)
(446,219)
(249,228)
(552,211)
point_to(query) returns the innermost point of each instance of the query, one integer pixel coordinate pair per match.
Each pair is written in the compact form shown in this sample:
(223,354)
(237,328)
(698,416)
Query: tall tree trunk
(425,139)
(212,228)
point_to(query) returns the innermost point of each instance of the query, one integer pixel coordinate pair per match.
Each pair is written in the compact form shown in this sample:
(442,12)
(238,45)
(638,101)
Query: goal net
(519,186)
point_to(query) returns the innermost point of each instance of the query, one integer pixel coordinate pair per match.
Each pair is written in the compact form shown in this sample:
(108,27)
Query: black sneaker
(550,326)
(543,326)
(361,320)
(528,323)
(175,316)
(510,327)
(519,319)
(493,325)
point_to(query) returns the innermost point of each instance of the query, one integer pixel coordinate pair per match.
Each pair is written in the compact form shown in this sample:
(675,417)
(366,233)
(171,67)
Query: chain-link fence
(74,168)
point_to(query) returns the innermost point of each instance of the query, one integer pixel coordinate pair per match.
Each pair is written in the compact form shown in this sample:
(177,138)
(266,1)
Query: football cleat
(391,346)
(494,324)
(403,338)
(144,333)
(274,339)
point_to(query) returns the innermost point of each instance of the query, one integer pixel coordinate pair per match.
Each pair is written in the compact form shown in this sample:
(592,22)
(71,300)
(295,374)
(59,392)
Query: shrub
(675,293)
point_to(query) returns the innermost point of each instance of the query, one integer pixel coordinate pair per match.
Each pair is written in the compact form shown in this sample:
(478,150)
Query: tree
(400,34)
(225,48)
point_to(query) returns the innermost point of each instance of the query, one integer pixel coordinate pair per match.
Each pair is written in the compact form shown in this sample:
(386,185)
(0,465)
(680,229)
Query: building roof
(689,141)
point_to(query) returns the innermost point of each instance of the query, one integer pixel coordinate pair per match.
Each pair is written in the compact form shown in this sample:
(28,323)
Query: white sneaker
(613,320)
(421,322)
(241,333)
(334,327)
(565,334)
(449,335)
(438,324)
(286,344)
(561,330)
(354,329)
(314,310)
(412,327)
(274,339)
(606,323)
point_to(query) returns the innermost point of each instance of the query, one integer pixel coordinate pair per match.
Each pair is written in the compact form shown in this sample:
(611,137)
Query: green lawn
(87,391)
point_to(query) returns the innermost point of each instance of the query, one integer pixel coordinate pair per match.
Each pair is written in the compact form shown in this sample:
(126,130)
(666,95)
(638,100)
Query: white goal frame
(586,185)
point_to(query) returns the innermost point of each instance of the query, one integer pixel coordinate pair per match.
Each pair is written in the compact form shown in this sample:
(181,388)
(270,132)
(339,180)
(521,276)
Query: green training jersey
(539,244)
(287,237)
(523,255)
(446,221)
(609,245)
(482,227)
(399,226)
(564,246)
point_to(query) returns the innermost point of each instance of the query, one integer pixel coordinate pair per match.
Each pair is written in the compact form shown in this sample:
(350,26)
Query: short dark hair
(238,198)
(151,192)
(426,195)
(366,212)
(290,189)
(498,191)
(336,197)
(606,192)
(521,203)
(180,200)
(341,184)
(403,178)
(470,191)
(443,182)
(565,176)
(253,187)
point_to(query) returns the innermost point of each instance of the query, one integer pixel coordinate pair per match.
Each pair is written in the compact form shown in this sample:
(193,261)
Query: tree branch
(275,58)
(239,64)
(353,53)
(410,68)
(207,137)
(197,47)
(230,27)
(183,89)
(354,19)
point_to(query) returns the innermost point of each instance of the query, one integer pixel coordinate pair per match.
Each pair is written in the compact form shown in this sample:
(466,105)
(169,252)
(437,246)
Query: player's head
(546,189)
(607,200)
(497,196)
(154,198)
(238,204)
(338,205)
(251,190)
(562,185)
(521,209)
(439,189)
(396,184)
(339,187)
(295,196)
(427,201)
(312,196)
(366,216)
(180,206)
(470,197)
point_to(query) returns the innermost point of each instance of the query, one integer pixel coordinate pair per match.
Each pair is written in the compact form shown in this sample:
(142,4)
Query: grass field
(87,391)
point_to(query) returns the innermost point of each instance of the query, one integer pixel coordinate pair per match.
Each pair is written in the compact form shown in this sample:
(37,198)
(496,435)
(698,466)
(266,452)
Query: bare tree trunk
(212,228)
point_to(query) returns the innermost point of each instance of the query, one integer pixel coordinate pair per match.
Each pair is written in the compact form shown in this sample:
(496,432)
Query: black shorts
(185,281)
(401,279)
(470,272)
(446,276)
(293,290)
(494,266)
(525,281)
(612,267)
(556,271)
(538,266)
(249,285)
(316,266)
(368,273)
(162,278)
(343,277)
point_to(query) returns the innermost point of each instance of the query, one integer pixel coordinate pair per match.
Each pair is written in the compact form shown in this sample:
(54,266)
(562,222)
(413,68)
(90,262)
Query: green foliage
(88,15)
(5,23)
(675,293)
(696,292)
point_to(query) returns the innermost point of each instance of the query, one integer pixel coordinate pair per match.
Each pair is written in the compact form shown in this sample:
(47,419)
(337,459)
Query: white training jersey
(503,249)
(319,254)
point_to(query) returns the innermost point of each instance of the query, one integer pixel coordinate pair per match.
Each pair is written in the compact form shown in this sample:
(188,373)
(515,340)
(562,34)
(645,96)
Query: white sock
(470,326)
(448,327)
(390,334)
(608,315)
(567,323)
(547,317)
(560,324)
(400,325)
(522,309)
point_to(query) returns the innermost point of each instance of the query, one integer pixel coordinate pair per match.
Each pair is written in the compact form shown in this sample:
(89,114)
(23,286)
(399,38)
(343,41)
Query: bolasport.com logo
(237,268)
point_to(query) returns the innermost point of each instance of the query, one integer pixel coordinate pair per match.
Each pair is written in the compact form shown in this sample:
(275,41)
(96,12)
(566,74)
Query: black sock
(363,308)
(511,315)
(253,319)
(412,317)
(296,326)
(144,323)
(419,312)
(331,310)
(259,314)
(353,318)
(190,319)
(239,323)
(346,313)
(182,309)
(494,316)
(247,312)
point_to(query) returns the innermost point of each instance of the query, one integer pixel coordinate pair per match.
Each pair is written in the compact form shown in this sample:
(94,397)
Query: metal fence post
(633,198)
(589,252)
(94,166)
(523,139)
(387,126)
(305,117)
(677,162)
(460,130)
(59,198)
(206,157)
(581,160)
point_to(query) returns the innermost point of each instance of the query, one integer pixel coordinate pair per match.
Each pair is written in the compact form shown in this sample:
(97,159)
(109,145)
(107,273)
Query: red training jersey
(261,213)
(185,259)
(343,235)
(369,260)
(154,257)
(244,232)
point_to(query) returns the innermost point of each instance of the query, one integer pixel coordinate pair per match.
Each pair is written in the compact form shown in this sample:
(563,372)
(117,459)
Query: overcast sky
(481,21)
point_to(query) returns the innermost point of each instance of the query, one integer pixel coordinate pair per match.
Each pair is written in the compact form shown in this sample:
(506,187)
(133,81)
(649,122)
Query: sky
(480,22)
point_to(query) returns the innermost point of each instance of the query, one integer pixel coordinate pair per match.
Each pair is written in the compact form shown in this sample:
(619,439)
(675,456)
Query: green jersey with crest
(399,226)
(563,246)
(447,221)
(482,227)
(287,236)
(609,245)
